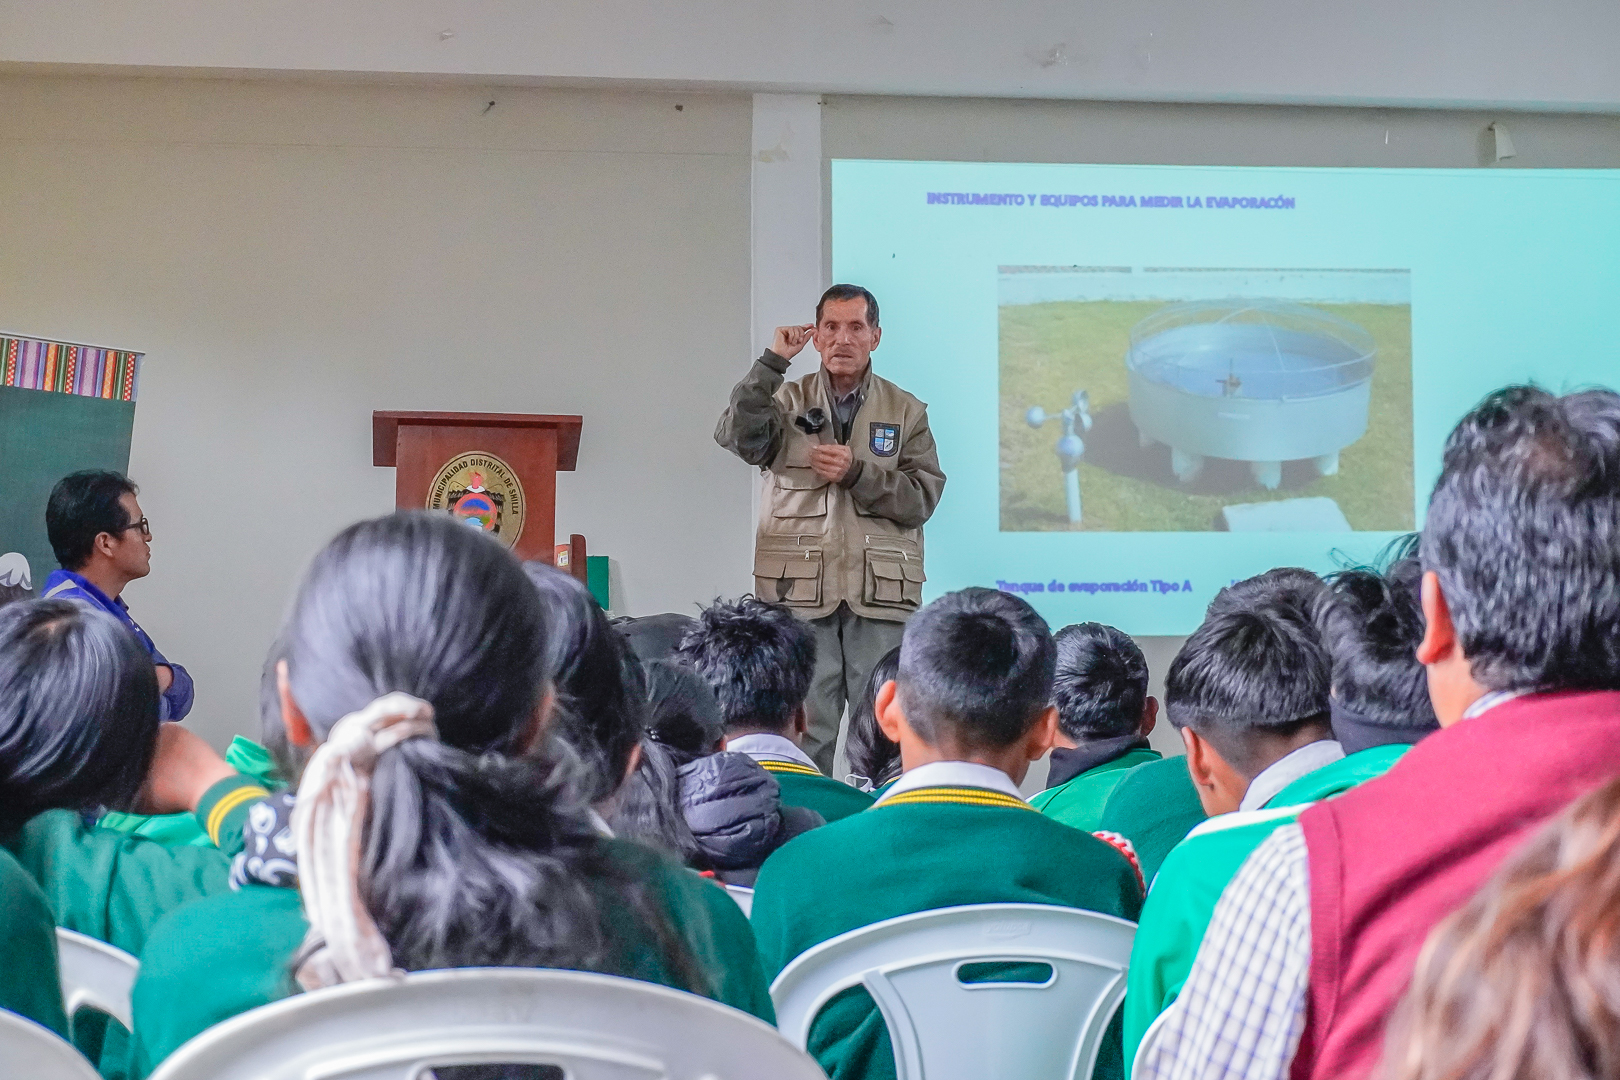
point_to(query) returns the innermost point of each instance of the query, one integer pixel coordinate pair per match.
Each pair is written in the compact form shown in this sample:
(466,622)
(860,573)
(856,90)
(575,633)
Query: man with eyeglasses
(104,542)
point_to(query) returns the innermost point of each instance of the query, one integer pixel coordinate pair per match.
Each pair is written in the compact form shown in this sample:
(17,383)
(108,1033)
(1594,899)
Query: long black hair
(870,752)
(683,724)
(601,700)
(476,852)
(78,710)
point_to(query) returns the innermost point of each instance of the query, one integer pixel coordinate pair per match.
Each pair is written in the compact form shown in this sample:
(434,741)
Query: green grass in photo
(1050,350)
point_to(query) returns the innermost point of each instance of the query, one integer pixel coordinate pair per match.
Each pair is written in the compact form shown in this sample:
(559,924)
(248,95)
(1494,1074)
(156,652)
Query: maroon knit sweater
(1393,857)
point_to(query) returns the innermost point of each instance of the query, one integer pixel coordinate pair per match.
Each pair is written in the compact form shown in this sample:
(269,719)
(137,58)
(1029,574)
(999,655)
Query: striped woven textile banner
(68,368)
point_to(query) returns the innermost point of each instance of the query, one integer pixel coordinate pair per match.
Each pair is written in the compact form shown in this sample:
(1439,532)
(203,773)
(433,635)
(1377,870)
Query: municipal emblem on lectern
(885,439)
(482,491)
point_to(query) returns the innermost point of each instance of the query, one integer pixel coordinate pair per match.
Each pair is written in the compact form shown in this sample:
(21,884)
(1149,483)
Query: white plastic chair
(594,1027)
(744,897)
(1150,1039)
(38,1053)
(943,1028)
(95,975)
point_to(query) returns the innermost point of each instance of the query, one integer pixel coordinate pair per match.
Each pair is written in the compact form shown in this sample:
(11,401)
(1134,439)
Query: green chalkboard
(44,436)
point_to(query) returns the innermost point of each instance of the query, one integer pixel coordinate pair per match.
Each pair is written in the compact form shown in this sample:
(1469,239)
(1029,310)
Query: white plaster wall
(292,257)
(1557,54)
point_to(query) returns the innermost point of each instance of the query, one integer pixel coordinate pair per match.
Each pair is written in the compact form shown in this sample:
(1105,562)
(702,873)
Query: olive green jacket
(858,541)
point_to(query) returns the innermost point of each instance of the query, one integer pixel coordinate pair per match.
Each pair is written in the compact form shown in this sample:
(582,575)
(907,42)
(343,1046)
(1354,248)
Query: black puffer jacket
(734,809)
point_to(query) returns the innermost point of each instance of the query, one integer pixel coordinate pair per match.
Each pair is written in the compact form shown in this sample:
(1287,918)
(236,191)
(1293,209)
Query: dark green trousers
(848,647)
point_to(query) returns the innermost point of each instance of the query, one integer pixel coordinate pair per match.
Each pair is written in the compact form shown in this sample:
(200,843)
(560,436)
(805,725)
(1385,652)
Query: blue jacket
(66,585)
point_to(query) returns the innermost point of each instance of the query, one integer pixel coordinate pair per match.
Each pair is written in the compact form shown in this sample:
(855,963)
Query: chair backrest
(744,897)
(39,1053)
(1150,1039)
(944,1027)
(95,975)
(592,1027)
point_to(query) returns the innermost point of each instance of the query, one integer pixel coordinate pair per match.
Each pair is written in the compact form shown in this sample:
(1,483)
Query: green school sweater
(1079,802)
(803,786)
(926,848)
(113,886)
(1183,898)
(1154,806)
(29,982)
(244,755)
(220,957)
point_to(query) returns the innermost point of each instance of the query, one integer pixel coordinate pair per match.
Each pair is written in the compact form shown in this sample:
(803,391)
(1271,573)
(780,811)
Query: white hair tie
(327,821)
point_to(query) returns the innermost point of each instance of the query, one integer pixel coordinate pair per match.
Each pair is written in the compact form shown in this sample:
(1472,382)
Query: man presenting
(102,540)
(854,475)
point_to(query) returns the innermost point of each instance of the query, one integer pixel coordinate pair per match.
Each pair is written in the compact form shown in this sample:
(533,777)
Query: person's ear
(801,720)
(1198,764)
(292,717)
(1439,633)
(1043,734)
(104,544)
(877,336)
(1150,716)
(891,718)
(634,763)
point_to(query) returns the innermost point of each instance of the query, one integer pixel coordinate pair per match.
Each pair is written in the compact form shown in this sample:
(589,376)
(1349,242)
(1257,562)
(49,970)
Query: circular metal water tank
(1262,381)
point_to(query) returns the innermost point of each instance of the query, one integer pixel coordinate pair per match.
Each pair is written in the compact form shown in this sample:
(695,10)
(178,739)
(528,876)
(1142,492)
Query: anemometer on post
(1070,448)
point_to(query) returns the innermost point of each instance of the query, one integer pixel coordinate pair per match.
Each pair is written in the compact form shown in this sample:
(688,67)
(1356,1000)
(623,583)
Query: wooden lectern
(423,446)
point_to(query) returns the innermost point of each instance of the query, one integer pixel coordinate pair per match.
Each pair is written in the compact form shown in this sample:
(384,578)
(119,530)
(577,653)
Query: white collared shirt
(1288,768)
(1492,699)
(953,774)
(762,746)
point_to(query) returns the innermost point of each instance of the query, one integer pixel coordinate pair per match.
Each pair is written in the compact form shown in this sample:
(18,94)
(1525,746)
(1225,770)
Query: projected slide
(1147,382)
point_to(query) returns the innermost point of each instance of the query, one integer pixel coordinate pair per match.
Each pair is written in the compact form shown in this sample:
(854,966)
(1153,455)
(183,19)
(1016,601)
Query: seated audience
(1248,693)
(1521,981)
(415,659)
(874,759)
(1317,935)
(1156,804)
(601,707)
(720,813)
(101,539)
(970,710)
(758,660)
(1371,625)
(1154,807)
(79,721)
(1104,718)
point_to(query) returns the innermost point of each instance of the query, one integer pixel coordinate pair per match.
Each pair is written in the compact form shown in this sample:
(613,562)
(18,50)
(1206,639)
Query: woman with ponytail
(428,829)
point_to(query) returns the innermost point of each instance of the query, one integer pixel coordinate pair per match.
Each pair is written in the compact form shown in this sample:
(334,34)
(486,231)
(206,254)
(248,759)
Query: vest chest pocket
(893,579)
(788,577)
(799,493)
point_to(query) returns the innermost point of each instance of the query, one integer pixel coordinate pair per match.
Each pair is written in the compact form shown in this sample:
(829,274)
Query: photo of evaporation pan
(1261,381)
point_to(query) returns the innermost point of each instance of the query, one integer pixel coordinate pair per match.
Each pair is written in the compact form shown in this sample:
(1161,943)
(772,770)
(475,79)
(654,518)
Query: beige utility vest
(814,546)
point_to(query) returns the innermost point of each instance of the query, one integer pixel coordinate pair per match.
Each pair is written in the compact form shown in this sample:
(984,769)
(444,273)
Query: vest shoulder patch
(885,439)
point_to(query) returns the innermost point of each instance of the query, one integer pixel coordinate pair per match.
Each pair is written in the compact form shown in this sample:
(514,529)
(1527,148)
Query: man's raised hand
(790,339)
